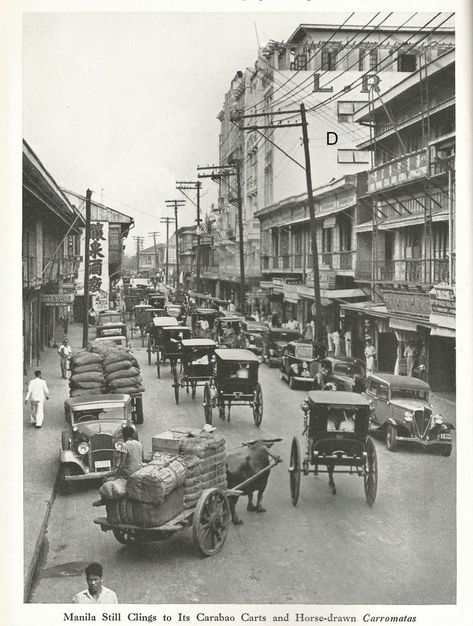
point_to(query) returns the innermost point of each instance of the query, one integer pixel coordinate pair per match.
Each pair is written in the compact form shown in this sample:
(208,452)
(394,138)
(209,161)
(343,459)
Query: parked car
(254,334)
(276,341)
(92,438)
(298,364)
(109,324)
(345,373)
(401,412)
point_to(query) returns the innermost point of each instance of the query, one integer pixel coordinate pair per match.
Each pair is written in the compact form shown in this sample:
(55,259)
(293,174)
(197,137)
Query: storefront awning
(443,332)
(366,308)
(399,324)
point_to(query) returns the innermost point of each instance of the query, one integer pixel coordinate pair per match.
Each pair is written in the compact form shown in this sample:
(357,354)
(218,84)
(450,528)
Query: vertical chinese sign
(99,283)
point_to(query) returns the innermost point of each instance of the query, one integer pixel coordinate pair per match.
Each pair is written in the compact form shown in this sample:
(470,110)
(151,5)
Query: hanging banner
(99,280)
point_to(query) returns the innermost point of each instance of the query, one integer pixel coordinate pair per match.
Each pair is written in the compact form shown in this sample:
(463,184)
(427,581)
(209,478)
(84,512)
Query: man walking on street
(95,593)
(65,353)
(37,392)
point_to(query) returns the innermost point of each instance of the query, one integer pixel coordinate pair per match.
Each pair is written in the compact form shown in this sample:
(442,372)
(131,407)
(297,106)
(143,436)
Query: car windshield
(418,394)
(304,352)
(108,412)
(349,368)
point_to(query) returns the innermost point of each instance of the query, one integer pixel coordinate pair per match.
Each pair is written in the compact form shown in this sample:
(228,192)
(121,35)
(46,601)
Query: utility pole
(176,204)
(217,173)
(319,334)
(85,322)
(166,220)
(185,184)
(154,233)
(139,242)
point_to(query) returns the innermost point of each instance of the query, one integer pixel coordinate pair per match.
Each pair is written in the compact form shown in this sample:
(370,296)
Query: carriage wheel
(149,350)
(258,406)
(193,389)
(124,536)
(158,361)
(207,404)
(295,471)
(176,387)
(142,336)
(371,472)
(211,521)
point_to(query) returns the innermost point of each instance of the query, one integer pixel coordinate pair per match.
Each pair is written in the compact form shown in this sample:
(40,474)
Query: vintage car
(276,341)
(344,373)
(254,334)
(93,435)
(298,364)
(401,412)
(109,324)
(157,300)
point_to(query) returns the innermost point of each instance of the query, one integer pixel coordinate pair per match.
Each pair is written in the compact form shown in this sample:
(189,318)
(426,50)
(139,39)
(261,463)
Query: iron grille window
(300,62)
(352,156)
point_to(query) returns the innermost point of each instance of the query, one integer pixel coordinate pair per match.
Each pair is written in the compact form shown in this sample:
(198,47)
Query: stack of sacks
(122,373)
(204,457)
(86,374)
(113,489)
(153,495)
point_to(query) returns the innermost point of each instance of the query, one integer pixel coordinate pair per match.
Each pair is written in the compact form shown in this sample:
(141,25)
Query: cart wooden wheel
(149,350)
(258,406)
(371,472)
(207,404)
(211,521)
(295,470)
(176,387)
(123,536)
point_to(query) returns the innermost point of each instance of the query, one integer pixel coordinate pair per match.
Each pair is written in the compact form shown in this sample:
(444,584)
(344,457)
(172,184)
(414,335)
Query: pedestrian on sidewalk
(37,392)
(370,357)
(65,353)
(95,593)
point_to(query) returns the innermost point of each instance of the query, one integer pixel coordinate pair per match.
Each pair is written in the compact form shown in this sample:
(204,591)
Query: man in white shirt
(95,593)
(37,392)
(65,353)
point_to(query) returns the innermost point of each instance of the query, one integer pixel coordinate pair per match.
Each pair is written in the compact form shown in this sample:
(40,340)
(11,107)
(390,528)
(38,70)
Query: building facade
(51,256)
(406,232)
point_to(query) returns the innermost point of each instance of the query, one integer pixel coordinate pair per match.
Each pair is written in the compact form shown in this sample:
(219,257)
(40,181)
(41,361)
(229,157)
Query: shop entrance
(387,352)
(442,374)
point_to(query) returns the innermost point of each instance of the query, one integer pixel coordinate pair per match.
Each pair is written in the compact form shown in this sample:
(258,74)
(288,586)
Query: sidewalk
(41,451)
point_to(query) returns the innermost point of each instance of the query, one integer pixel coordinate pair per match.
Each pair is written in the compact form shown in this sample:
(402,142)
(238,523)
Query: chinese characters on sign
(96,256)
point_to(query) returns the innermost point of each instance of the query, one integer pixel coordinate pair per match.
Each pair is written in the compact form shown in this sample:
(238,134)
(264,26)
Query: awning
(443,332)
(401,222)
(366,308)
(399,324)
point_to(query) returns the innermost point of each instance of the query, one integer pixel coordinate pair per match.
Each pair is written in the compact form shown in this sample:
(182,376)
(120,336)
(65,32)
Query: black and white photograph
(238,336)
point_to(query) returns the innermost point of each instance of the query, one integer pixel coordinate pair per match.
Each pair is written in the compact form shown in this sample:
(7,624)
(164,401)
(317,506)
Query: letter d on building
(331,142)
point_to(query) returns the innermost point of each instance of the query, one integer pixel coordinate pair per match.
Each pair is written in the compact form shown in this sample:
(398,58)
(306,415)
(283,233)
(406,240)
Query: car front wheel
(391,433)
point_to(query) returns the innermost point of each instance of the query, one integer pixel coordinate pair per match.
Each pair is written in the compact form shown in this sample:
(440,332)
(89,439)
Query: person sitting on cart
(131,456)
(243,371)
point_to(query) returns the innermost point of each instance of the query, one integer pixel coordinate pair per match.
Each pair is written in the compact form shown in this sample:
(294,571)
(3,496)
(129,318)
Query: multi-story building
(405,235)
(332,70)
(51,255)
(152,260)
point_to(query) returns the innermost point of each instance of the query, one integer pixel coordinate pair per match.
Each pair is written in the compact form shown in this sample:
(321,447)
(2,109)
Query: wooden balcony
(417,271)
(404,169)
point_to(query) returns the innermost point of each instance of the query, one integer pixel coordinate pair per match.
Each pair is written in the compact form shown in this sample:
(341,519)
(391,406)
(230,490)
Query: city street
(327,550)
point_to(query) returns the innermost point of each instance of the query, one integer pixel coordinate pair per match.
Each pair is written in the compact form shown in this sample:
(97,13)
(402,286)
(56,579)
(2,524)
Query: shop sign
(407,302)
(442,299)
(57,299)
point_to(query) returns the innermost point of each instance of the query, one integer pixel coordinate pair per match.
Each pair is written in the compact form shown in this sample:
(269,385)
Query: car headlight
(438,419)
(408,416)
(83,447)
(252,337)
(294,368)
(119,446)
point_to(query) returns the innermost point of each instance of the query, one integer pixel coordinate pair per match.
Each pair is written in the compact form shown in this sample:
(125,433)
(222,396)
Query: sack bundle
(155,481)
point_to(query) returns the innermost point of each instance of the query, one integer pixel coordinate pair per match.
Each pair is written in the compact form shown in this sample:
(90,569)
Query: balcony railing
(405,168)
(339,260)
(418,271)
(414,109)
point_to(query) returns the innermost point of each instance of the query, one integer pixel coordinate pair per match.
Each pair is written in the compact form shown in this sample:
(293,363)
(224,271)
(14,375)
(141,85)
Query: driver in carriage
(340,420)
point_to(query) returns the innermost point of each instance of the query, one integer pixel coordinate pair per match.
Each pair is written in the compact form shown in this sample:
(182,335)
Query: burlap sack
(118,354)
(203,446)
(75,393)
(115,367)
(82,369)
(88,377)
(212,461)
(131,391)
(85,385)
(125,372)
(153,483)
(113,489)
(132,381)
(86,358)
